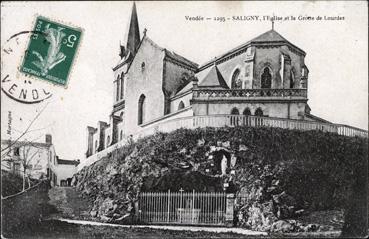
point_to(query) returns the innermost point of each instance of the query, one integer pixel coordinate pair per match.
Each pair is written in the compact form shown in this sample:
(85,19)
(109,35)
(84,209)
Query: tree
(24,153)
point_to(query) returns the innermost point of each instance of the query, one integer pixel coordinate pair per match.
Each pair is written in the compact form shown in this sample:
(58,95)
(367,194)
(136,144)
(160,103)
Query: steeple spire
(133,39)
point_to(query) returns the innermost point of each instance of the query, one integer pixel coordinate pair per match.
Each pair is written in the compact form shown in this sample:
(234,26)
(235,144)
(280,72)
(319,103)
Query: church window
(235,111)
(122,87)
(108,141)
(143,65)
(236,81)
(247,111)
(181,105)
(141,109)
(292,79)
(248,51)
(258,112)
(266,79)
(118,88)
(247,70)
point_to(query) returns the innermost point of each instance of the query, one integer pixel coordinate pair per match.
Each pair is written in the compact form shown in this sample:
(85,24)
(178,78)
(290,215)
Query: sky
(336,56)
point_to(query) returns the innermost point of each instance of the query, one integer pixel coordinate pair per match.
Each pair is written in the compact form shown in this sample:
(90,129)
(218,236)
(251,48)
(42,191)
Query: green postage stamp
(51,51)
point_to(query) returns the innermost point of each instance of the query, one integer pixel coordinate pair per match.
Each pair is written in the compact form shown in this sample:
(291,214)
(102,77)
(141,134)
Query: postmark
(49,56)
(15,85)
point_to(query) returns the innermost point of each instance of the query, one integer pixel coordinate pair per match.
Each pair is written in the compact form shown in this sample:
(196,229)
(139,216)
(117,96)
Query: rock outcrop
(272,172)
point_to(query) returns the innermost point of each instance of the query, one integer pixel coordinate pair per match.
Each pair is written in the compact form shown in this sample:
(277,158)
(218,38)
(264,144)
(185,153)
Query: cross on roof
(273,23)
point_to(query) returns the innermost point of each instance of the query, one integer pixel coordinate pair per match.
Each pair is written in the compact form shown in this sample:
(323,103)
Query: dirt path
(69,203)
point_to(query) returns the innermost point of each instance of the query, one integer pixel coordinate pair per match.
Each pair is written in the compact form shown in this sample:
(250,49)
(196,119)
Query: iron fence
(200,208)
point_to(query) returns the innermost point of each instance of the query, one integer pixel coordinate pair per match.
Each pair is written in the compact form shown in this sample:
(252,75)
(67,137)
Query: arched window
(95,145)
(118,88)
(236,81)
(141,109)
(266,79)
(121,134)
(235,111)
(292,79)
(108,141)
(258,112)
(122,87)
(181,105)
(247,111)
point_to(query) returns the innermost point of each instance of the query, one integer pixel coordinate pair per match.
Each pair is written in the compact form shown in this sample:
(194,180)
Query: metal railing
(192,122)
(251,121)
(249,93)
(200,208)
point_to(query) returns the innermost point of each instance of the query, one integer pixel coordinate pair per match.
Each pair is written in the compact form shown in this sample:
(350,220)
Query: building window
(292,79)
(16,151)
(141,109)
(266,79)
(121,134)
(181,105)
(259,112)
(96,146)
(236,81)
(118,88)
(108,141)
(122,87)
(247,112)
(235,111)
(121,115)
(143,66)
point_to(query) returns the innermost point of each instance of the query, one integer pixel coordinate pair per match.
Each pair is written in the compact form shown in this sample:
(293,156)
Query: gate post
(137,215)
(229,210)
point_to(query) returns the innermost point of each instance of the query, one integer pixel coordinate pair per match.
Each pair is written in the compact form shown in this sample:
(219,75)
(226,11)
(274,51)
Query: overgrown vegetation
(281,172)
(12,183)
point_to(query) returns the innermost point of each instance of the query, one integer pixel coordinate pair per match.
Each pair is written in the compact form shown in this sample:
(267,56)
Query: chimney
(48,139)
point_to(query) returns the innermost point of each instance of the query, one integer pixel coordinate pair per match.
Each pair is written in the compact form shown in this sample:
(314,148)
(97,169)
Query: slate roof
(270,36)
(214,79)
(185,88)
(180,58)
(67,162)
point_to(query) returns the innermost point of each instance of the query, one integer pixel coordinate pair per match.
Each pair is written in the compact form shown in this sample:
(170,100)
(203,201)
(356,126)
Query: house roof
(23,143)
(214,79)
(67,162)
(268,37)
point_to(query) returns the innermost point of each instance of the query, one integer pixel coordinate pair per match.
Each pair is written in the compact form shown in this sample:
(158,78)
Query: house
(35,159)
(65,169)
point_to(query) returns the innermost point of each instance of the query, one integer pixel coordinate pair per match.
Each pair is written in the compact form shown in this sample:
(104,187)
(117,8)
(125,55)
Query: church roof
(133,38)
(180,58)
(213,79)
(268,37)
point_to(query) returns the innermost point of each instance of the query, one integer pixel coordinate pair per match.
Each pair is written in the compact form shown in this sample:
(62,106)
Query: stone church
(265,77)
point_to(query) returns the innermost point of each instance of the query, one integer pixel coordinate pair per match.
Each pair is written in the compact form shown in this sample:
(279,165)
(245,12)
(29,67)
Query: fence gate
(182,208)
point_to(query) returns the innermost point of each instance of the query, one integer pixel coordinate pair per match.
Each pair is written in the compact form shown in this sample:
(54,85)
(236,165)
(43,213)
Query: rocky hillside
(280,173)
